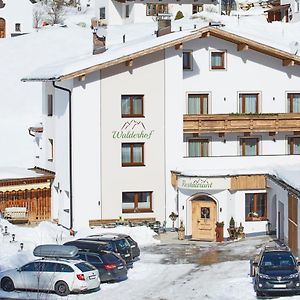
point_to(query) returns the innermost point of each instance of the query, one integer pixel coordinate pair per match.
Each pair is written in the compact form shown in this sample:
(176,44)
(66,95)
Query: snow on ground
(151,278)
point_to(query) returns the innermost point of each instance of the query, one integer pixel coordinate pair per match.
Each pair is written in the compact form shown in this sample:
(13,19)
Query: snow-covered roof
(277,40)
(8,173)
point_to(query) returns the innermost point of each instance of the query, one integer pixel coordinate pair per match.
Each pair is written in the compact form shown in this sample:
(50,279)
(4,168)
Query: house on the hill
(15,17)
(119,12)
(141,133)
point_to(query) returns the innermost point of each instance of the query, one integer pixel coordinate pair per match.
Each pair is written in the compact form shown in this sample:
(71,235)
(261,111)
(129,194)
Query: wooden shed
(30,188)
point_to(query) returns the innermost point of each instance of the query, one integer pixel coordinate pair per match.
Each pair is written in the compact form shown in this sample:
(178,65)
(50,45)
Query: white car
(59,275)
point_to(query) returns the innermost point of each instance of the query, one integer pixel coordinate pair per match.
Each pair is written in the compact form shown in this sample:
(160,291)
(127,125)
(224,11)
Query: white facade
(294,9)
(15,17)
(99,130)
(112,12)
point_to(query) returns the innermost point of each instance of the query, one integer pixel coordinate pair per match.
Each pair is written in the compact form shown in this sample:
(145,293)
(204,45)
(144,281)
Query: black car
(89,245)
(117,244)
(133,244)
(111,267)
(276,271)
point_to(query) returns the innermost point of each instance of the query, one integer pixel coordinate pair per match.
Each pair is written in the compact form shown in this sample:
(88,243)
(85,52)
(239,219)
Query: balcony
(222,123)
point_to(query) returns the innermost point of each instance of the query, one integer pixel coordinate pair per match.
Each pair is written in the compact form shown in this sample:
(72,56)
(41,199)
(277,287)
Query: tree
(55,11)
(39,12)
(179,15)
(228,5)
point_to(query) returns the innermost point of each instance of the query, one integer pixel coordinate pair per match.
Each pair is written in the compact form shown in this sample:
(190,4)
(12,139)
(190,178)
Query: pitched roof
(126,52)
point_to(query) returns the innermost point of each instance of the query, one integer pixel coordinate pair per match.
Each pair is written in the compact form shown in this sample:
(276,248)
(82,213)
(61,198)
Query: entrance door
(2,28)
(204,217)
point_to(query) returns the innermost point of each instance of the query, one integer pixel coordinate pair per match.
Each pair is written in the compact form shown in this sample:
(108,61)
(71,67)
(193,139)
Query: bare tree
(55,11)
(38,14)
(228,5)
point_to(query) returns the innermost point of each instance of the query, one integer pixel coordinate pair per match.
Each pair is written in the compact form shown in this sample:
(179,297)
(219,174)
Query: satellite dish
(294,46)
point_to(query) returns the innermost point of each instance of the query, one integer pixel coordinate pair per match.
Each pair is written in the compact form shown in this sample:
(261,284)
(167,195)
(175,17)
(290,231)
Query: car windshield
(278,260)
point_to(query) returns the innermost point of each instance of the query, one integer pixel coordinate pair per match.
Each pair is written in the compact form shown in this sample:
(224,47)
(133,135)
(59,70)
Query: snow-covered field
(153,277)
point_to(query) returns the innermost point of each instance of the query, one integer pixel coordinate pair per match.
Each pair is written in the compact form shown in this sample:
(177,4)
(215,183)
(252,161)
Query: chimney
(98,41)
(164,26)
(98,44)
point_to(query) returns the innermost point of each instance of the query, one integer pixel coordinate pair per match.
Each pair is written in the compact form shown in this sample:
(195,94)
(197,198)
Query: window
(18,27)
(50,105)
(102,13)
(294,145)
(217,60)
(127,11)
(132,106)
(297,6)
(197,104)
(187,60)
(132,154)
(248,103)
(293,102)
(249,146)
(134,202)
(197,8)
(50,149)
(198,147)
(256,206)
(153,9)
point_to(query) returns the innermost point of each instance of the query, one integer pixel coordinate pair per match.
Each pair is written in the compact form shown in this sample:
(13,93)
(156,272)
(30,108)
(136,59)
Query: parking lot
(173,269)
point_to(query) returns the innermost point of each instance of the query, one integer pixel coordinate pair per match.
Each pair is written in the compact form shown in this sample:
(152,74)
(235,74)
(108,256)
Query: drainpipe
(70,153)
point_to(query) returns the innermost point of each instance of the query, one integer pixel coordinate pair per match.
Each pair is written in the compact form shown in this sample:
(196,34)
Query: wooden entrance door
(2,28)
(293,223)
(204,217)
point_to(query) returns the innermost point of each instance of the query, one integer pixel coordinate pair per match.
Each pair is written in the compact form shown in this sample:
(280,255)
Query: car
(111,267)
(90,245)
(276,271)
(119,245)
(133,244)
(52,274)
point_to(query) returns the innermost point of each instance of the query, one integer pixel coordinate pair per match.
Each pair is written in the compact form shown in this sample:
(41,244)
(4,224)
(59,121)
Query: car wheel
(7,284)
(61,288)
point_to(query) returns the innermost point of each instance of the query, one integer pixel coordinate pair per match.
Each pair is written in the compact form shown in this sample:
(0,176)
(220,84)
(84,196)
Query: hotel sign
(133,130)
(203,183)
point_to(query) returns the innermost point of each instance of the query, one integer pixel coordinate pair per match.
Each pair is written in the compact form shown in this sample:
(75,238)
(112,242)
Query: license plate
(279,286)
(120,267)
(132,246)
(127,255)
(92,277)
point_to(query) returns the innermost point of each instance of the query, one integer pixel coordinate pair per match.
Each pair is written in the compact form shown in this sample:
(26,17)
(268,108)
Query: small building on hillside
(27,188)
(118,12)
(15,17)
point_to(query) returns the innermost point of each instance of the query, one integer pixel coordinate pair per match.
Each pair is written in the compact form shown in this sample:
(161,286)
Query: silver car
(59,275)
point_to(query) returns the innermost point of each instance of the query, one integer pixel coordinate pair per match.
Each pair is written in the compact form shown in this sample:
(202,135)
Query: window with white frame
(297,6)
(197,104)
(136,202)
(294,145)
(255,206)
(248,103)
(198,147)
(293,102)
(197,8)
(127,11)
(249,146)
(50,149)
(153,9)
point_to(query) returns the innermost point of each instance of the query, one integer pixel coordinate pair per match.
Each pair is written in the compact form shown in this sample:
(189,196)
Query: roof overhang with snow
(109,58)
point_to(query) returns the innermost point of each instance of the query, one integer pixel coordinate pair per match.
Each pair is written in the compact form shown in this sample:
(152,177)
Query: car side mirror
(19,270)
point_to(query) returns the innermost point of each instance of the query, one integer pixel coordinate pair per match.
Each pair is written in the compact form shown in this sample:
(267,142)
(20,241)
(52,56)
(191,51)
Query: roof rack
(276,246)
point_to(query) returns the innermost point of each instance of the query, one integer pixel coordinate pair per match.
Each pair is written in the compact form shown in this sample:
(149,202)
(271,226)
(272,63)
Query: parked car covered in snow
(52,273)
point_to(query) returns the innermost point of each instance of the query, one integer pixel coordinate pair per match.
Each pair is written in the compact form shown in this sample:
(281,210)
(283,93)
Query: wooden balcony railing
(241,123)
